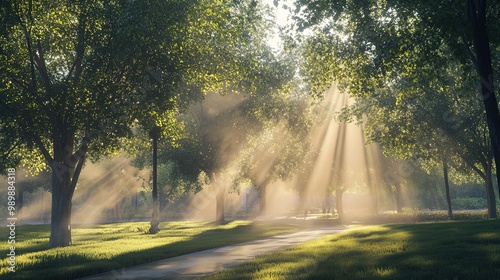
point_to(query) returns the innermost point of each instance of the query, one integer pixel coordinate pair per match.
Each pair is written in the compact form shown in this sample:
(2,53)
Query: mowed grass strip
(448,250)
(101,248)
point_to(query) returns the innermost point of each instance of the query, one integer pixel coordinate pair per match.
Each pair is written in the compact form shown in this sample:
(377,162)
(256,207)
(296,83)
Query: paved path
(196,265)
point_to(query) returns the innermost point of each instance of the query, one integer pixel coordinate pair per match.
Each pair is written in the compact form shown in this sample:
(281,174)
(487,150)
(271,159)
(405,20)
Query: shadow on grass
(452,250)
(71,267)
(455,250)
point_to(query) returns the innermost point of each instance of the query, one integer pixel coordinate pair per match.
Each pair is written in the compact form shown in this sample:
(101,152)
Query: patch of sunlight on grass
(384,271)
(488,236)
(103,247)
(234,224)
(282,270)
(456,250)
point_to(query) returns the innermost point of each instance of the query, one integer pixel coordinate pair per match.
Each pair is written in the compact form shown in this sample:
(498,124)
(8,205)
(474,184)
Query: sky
(280,16)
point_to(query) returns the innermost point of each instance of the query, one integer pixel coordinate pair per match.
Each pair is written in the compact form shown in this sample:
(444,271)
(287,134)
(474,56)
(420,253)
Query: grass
(101,248)
(413,216)
(445,250)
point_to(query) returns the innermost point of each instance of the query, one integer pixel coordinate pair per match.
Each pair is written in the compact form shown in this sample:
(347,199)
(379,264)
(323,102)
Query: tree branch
(29,43)
(80,153)
(42,67)
(76,174)
(474,167)
(12,148)
(471,54)
(79,49)
(18,82)
(43,150)
(27,36)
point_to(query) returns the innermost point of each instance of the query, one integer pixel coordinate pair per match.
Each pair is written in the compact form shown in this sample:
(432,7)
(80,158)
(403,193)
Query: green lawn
(447,250)
(100,248)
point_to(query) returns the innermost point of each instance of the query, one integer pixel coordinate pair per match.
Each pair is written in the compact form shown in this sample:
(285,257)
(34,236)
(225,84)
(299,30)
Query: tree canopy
(77,78)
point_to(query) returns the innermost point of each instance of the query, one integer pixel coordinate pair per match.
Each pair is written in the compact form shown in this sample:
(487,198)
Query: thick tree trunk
(66,168)
(490,193)
(60,225)
(477,17)
(447,187)
(219,211)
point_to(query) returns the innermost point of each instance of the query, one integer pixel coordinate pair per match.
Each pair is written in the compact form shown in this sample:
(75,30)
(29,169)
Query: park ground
(421,248)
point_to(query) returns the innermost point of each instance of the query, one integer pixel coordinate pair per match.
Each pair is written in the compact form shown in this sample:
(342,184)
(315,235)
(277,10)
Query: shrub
(469,203)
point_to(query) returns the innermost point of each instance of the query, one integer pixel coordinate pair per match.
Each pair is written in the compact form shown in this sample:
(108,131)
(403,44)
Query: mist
(340,173)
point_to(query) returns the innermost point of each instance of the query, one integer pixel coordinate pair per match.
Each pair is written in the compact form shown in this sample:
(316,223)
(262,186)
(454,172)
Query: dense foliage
(78,78)
(417,73)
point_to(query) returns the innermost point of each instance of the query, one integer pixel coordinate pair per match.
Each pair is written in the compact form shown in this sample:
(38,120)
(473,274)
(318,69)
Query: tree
(211,138)
(370,45)
(435,122)
(477,14)
(216,129)
(154,134)
(281,143)
(76,77)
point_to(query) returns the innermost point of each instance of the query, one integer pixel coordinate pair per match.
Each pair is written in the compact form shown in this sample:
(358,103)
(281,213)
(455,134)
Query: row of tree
(84,79)
(421,74)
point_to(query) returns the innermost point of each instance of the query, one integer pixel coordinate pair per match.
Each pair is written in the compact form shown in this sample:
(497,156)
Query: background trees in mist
(413,69)
(238,138)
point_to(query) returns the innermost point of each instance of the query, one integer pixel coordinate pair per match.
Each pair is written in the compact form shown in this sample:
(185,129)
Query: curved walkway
(196,265)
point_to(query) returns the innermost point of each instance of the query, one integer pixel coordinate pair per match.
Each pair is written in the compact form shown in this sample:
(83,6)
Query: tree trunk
(447,187)
(399,200)
(60,224)
(338,200)
(490,193)
(477,18)
(374,196)
(155,222)
(219,211)
(119,209)
(66,168)
(20,204)
(263,197)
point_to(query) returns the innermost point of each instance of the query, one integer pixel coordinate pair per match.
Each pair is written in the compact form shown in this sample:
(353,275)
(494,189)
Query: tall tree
(432,120)
(477,11)
(217,133)
(281,145)
(368,45)
(77,76)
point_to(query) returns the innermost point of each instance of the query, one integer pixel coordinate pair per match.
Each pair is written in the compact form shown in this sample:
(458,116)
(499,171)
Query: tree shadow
(63,266)
(454,250)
